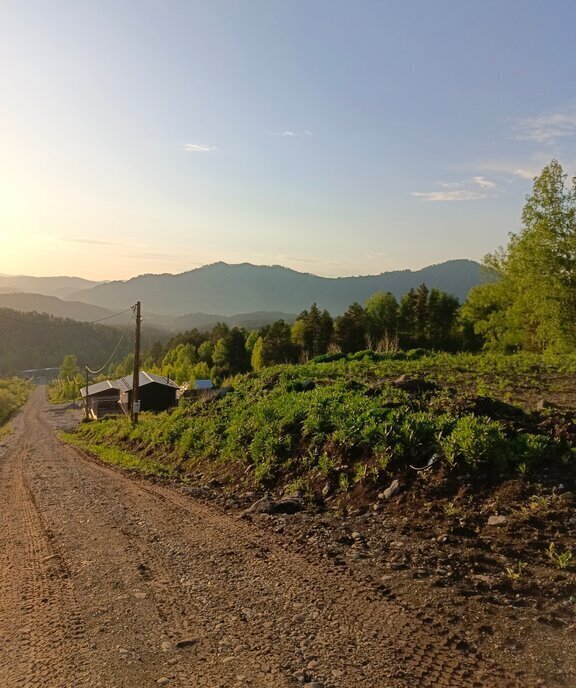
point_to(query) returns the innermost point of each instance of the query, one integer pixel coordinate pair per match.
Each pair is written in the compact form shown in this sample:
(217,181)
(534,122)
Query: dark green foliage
(350,329)
(313,331)
(33,340)
(13,394)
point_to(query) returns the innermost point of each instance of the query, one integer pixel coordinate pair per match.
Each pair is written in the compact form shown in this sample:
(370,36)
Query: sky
(329,136)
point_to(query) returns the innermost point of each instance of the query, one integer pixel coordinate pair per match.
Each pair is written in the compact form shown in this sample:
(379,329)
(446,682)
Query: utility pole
(86,397)
(135,410)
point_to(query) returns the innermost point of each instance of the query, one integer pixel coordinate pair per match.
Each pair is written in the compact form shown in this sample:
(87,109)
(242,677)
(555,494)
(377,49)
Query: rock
(166,646)
(543,404)
(392,490)
(288,505)
(140,595)
(186,642)
(314,684)
(261,506)
(566,497)
(357,536)
(496,520)
(398,565)
(164,681)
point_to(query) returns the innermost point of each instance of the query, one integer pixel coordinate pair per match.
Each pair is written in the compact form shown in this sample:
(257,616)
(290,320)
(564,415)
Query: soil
(108,580)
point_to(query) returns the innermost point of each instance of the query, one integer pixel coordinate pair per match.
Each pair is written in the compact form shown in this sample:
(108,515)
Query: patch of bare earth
(106,580)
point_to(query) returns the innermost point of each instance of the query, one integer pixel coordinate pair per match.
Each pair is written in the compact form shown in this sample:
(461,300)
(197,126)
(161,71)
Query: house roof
(98,387)
(203,384)
(125,383)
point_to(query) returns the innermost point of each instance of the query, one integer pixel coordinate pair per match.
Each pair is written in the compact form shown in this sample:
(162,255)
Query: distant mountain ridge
(48,286)
(244,288)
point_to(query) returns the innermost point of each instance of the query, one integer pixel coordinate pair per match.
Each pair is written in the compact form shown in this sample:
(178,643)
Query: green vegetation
(561,560)
(532,305)
(116,457)
(67,386)
(13,394)
(344,422)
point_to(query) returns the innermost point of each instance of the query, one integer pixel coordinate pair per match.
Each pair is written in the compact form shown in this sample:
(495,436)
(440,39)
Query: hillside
(250,321)
(32,340)
(230,289)
(52,305)
(49,286)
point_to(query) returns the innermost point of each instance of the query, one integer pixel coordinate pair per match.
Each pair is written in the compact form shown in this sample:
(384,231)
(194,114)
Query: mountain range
(219,292)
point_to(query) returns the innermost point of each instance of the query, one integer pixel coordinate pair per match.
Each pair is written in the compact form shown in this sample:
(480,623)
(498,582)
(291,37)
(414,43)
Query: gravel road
(113,581)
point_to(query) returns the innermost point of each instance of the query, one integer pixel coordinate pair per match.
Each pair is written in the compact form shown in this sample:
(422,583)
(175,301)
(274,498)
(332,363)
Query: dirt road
(111,581)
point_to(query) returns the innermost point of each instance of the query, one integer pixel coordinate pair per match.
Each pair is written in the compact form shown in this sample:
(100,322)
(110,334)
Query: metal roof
(203,384)
(98,387)
(125,383)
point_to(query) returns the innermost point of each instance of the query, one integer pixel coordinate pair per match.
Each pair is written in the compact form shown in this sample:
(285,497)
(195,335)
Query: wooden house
(156,392)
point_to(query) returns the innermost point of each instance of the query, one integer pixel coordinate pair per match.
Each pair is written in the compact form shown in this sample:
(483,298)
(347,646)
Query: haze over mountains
(201,297)
(49,286)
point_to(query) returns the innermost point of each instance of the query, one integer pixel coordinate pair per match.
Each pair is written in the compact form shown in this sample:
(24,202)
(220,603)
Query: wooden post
(86,396)
(135,407)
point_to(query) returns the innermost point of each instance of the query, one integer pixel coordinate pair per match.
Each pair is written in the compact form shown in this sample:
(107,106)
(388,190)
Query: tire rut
(89,552)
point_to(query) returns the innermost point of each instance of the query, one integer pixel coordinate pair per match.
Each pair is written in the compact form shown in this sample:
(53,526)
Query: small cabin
(101,398)
(156,392)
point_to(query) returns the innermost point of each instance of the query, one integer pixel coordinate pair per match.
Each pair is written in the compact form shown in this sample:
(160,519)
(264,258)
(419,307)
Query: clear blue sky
(329,136)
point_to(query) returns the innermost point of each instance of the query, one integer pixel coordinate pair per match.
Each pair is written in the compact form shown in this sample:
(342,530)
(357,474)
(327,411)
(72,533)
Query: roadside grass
(14,393)
(332,424)
(118,457)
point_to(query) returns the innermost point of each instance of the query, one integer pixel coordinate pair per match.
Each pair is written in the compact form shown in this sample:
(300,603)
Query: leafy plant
(560,559)
(515,573)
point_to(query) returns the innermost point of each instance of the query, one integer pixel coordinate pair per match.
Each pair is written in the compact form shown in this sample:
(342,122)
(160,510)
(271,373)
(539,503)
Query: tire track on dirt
(39,612)
(136,566)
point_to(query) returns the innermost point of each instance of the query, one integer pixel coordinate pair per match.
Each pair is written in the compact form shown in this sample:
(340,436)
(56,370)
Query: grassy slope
(331,426)
(13,394)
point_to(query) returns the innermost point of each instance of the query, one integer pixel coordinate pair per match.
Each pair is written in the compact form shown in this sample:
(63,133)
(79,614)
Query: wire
(72,324)
(95,372)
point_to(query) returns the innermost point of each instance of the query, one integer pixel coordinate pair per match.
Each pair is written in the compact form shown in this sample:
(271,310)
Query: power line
(72,324)
(95,372)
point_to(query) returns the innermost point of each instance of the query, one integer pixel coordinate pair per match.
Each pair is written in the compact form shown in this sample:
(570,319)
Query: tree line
(423,317)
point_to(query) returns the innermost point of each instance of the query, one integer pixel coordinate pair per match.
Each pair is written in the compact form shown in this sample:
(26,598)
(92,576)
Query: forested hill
(229,289)
(52,305)
(32,340)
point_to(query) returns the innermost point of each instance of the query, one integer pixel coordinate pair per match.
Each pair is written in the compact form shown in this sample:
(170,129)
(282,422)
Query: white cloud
(458,195)
(292,134)
(198,148)
(547,127)
(483,183)
(464,190)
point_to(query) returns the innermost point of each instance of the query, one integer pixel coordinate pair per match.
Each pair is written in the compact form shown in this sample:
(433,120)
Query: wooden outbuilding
(156,392)
(101,398)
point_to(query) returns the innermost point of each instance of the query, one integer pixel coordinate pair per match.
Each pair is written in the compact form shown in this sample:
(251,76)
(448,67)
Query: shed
(101,398)
(198,389)
(156,392)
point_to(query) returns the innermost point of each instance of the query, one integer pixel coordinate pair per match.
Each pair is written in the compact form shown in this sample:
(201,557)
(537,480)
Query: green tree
(534,304)
(69,367)
(381,316)
(274,346)
(313,330)
(350,329)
